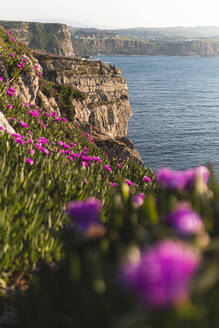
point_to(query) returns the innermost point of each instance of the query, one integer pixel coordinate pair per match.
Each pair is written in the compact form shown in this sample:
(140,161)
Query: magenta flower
(1,79)
(64,145)
(185,221)
(129,183)
(161,276)
(139,200)
(114,184)
(107,168)
(70,158)
(86,158)
(84,164)
(96,159)
(32,152)
(10,106)
(147,179)
(29,161)
(43,140)
(180,180)
(75,155)
(85,213)
(23,124)
(34,113)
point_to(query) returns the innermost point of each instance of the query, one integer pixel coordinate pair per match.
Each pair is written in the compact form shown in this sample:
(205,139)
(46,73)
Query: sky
(116,13)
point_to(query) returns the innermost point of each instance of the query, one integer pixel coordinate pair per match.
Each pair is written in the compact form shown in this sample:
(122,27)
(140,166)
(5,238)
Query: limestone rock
(106,105)
(4,123)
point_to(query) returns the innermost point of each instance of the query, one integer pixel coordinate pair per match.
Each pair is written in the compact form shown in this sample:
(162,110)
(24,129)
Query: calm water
(175,103)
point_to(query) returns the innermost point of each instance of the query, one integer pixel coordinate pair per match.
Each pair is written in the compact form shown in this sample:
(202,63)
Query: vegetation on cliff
(51,38)
(87,240)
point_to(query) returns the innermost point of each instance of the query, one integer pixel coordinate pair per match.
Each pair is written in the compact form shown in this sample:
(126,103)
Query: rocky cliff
(149,48)
(105,105)
(51,38)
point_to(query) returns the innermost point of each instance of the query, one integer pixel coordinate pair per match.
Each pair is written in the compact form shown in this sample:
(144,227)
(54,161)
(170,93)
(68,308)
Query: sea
(175,104)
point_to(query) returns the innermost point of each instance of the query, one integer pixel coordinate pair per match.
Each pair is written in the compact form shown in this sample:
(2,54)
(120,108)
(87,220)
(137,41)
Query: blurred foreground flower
(85,214)
(162,274)
(180,180)
(184,220)
(139,199)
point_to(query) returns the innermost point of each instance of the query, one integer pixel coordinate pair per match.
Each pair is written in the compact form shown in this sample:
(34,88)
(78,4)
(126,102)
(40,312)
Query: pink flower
(96,159)
(114,184)
(70,158)
(32,151)
(29,161)
(139,200)
(146,179)
(107,168)
(22,123)
(10,106)
(64,145)
(161,275)
(84,164)
(11,89)
(129,183)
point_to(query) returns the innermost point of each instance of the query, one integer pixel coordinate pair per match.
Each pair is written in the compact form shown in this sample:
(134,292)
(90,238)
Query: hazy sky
(116,13)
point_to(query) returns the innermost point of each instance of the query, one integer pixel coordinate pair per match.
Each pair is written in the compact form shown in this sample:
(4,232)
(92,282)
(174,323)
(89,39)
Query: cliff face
(51,38)
(135,47)
(106,105)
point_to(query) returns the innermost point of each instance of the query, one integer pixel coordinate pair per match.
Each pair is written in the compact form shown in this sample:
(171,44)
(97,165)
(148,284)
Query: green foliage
(63,94)
(75,275)
(92,294)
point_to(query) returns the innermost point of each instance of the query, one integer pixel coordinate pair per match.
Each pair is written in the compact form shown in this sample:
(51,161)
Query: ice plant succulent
(129,183)
(184,220)
(146,179)
(29,161)
(180,180)
(161,276)
(85,213)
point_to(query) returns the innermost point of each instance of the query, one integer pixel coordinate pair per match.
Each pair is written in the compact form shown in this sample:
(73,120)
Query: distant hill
(164,34)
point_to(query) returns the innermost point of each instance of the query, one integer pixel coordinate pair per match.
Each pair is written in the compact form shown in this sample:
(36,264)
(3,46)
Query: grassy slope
(33,197)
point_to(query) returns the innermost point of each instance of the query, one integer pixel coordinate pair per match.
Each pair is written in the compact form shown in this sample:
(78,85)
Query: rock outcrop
(51,38)
(106,105)
(5,124)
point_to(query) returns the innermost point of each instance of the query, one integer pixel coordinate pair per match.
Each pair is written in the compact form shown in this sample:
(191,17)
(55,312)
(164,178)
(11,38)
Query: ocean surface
(175,104)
